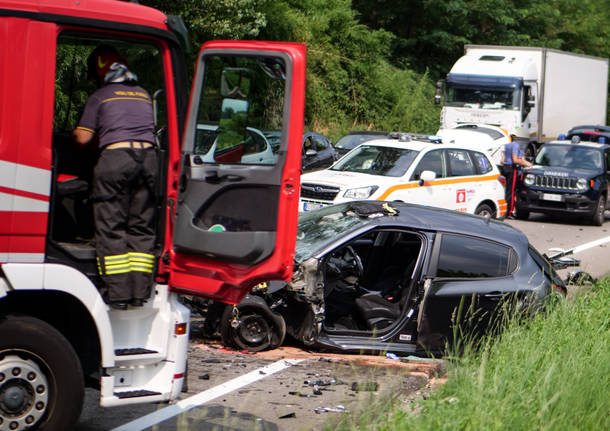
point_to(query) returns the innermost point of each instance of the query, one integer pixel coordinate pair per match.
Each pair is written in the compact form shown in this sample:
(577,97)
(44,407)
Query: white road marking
(591,244)
(182,406)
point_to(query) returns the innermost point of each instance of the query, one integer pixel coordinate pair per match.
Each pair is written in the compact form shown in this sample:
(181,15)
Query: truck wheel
(598,216)
(485,210)
(41,379)
(530,153)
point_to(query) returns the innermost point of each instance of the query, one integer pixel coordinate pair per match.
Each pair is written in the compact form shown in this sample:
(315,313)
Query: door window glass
(242,98)
(432,161)
(321,144)
(460,163)
(482,162)
(465,257)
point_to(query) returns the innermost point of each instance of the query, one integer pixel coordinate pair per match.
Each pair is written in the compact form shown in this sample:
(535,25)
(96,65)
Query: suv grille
(553,182)
(318,191)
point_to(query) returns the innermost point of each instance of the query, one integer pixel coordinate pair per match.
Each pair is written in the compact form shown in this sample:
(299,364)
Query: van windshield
(377,160)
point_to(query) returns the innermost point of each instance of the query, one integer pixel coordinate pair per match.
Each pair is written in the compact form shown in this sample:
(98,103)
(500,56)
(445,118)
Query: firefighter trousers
(124,212)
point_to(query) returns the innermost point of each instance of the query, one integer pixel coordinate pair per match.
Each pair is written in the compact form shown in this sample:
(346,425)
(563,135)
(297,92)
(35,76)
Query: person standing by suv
(512,159)
(120,115)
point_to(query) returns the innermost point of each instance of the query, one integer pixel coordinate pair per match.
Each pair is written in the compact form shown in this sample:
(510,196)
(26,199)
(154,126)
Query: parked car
(568,178)
(387,276)
(211,146)
(351,140)
(599,134)
(410,168)
(480,137)
(318,152)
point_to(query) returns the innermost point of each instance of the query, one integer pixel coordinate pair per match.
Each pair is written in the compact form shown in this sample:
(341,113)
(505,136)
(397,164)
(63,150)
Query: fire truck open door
(236,213)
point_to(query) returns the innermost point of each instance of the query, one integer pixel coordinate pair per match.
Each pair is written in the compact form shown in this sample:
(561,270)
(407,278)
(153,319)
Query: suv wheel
(521,214)
(598,216)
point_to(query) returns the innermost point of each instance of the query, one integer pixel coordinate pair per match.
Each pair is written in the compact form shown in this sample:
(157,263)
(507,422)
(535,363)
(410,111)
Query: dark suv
(568,178)
(599,134)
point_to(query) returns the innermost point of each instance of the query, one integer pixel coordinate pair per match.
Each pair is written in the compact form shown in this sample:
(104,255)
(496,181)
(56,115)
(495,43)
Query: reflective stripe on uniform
(126,262)
(142,262)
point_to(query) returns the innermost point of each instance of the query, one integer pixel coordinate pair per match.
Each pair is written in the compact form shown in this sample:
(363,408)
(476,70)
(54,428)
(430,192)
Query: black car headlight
(529,179)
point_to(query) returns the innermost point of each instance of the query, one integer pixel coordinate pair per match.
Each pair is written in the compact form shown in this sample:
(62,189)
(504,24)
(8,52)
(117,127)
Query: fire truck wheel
(41,379)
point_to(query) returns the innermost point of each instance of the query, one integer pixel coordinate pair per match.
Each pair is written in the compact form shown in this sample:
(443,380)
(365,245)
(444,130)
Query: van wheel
(41,379)
(485,210)
(598,216)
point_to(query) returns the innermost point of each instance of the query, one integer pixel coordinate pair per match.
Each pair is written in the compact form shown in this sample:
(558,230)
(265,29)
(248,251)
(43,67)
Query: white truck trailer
(535,94)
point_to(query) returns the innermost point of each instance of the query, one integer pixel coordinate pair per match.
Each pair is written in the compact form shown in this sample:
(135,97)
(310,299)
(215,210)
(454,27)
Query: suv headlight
(360,192)
(581,184)
(529,179)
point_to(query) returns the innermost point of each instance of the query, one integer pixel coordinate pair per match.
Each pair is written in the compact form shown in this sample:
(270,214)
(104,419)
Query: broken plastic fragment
(338,409)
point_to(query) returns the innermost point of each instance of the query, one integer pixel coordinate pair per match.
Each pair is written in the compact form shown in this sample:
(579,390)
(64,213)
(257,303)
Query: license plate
(309,206)
(552,197)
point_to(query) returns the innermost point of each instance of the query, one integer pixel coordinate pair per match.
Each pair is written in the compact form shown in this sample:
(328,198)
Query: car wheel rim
(24,393)
(253,330)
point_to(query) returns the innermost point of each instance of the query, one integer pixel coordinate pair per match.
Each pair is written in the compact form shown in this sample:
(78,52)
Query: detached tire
(41,379)
(598,216)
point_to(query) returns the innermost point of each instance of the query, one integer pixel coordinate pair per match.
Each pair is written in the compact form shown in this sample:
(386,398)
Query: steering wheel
(340,264)
(356,262)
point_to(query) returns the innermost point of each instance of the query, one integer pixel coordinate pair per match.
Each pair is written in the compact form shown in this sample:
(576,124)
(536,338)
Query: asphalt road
(263,404)
(545,232)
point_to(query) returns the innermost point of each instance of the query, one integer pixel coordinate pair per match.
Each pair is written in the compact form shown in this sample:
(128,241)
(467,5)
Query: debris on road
(338,409)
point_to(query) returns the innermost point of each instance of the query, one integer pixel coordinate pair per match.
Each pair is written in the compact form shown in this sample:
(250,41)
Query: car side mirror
(311,152)
(426,176)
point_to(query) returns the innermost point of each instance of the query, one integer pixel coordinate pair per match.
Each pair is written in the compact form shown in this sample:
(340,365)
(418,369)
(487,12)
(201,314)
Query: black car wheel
(521,214)
(485,210)
(256,328)
(598,216)
(41,379)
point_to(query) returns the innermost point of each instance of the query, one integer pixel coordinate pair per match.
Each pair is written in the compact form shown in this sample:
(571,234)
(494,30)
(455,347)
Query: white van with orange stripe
(410,168)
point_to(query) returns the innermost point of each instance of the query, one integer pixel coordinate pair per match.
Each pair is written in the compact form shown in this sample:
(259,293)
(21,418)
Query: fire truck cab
(224,223)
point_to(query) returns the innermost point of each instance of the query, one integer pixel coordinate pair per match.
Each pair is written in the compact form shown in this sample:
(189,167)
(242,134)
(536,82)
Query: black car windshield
(349,142)
(569,156)
(377,160)
(316,229)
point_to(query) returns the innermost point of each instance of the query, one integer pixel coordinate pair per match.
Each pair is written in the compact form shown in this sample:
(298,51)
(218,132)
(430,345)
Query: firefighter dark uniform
(120,114)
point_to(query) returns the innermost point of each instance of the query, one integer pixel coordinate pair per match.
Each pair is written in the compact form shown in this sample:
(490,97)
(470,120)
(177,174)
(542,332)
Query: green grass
(552,373)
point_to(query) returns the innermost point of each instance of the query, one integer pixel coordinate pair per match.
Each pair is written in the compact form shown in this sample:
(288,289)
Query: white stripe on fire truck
(21,257)
(9,202)
(25,178)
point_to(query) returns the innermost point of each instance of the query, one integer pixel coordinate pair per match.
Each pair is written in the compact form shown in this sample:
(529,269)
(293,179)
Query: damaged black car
(374,276)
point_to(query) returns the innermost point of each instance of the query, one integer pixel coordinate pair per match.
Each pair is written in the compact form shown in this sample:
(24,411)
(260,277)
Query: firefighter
(512,159)
(119,116)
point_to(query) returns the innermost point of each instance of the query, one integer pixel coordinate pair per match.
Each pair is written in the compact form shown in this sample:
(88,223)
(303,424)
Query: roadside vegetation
(374,64)
(550,373)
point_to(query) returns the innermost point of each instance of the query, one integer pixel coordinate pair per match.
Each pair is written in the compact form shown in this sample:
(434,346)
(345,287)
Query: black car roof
(438,219)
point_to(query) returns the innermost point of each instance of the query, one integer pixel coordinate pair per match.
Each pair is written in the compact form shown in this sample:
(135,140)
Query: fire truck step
(134,351)
(135,394)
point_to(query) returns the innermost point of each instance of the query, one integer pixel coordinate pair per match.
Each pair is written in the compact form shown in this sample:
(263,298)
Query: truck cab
(223,223)
(495,88)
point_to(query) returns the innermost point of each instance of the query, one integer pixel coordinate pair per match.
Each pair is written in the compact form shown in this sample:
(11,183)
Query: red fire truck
(226,206)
